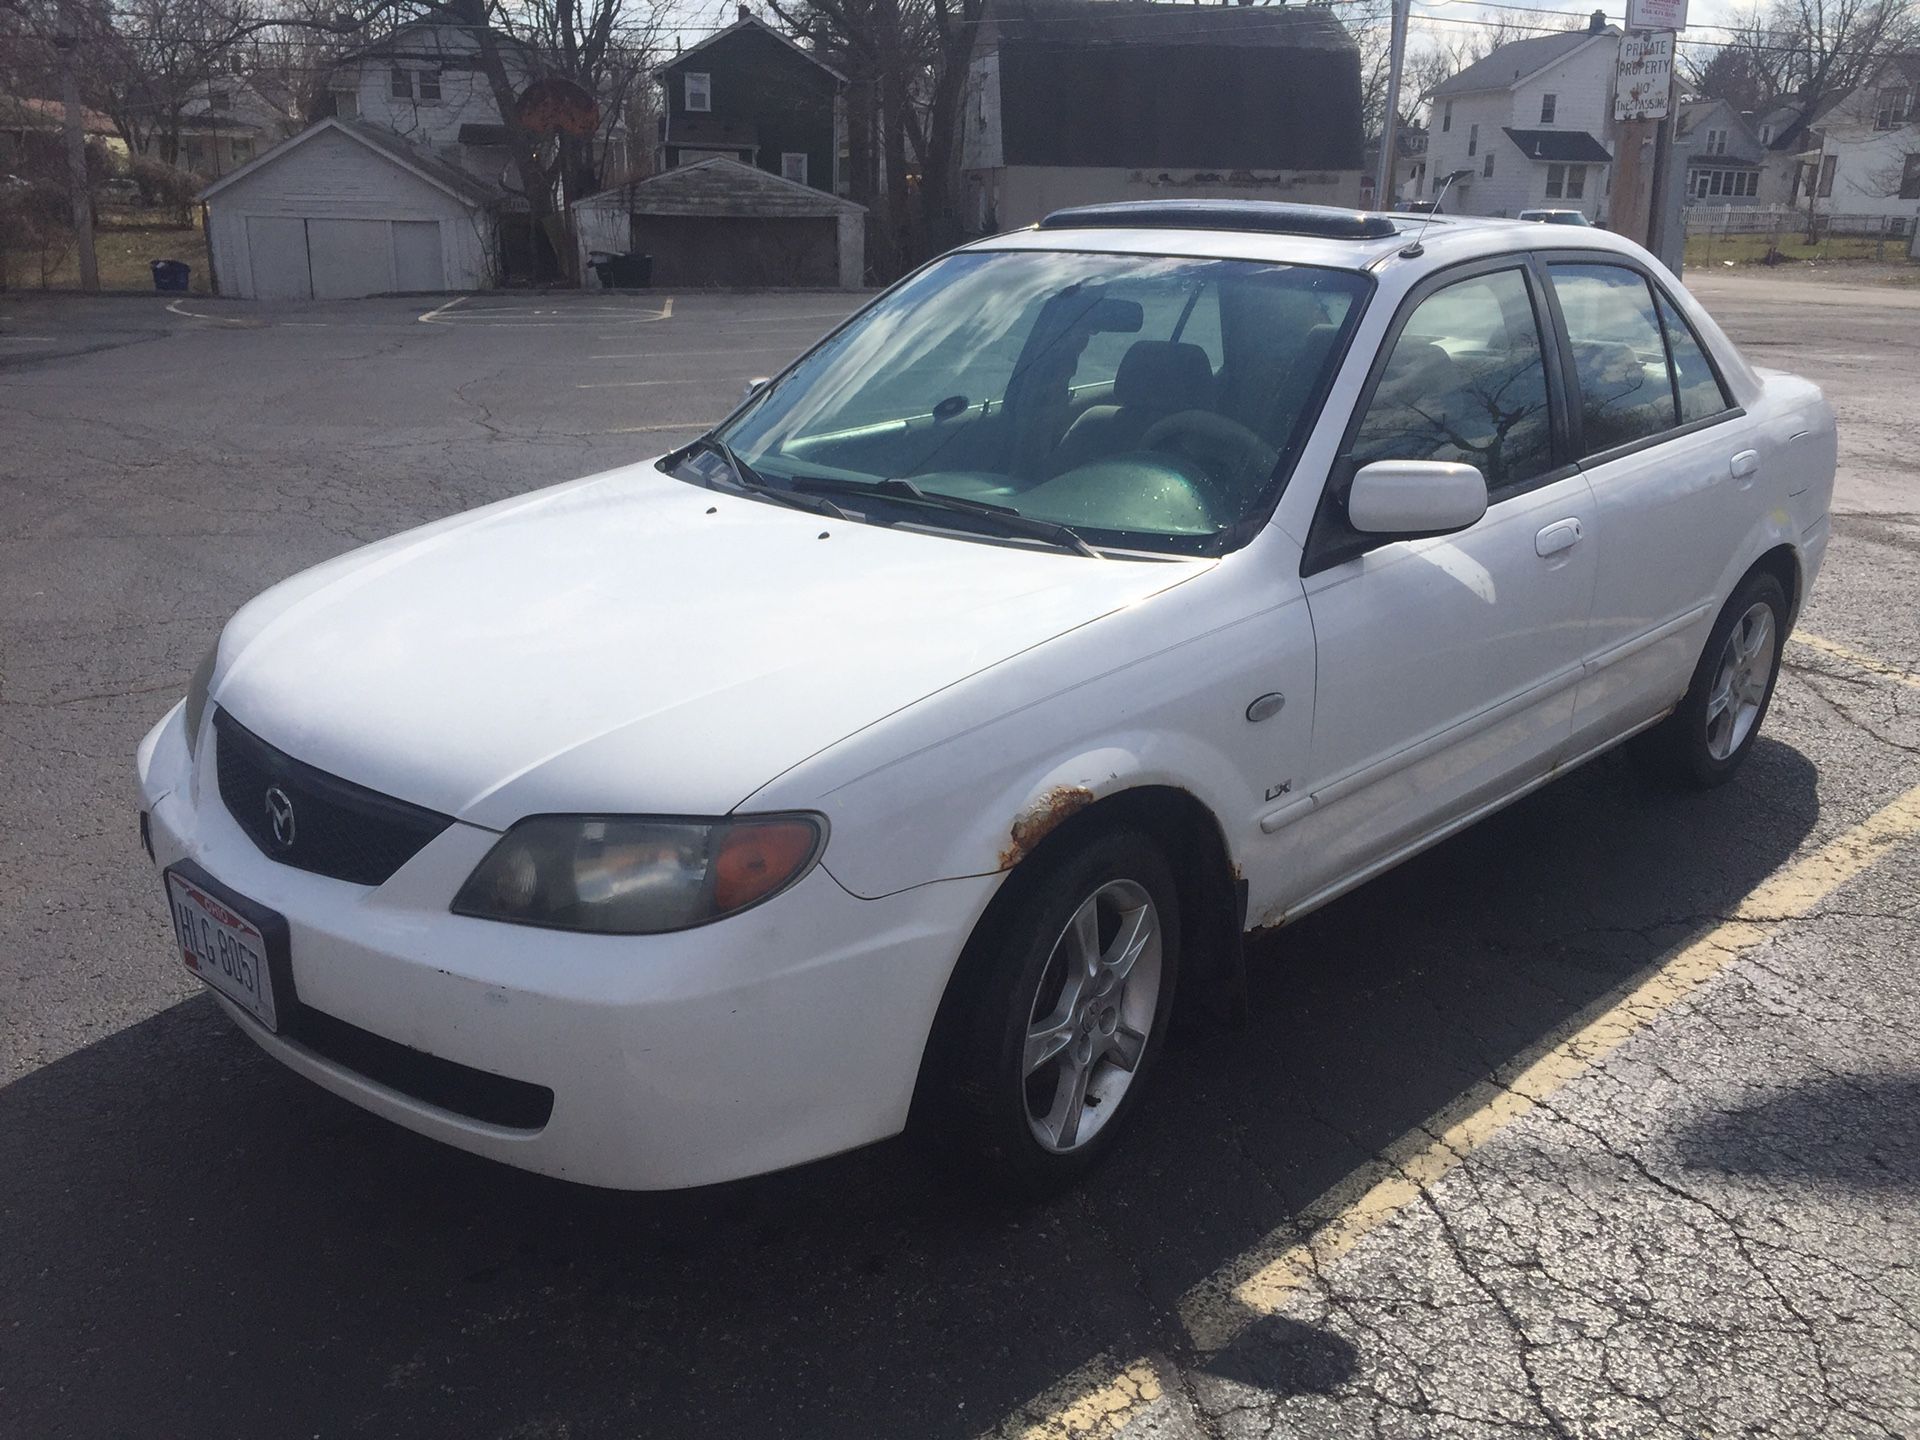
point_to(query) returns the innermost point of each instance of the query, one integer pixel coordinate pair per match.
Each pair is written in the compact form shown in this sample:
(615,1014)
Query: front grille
(445,1084)
(311,820)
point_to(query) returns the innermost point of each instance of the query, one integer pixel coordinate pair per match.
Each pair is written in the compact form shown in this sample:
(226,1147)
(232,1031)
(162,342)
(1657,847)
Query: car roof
(1442,239)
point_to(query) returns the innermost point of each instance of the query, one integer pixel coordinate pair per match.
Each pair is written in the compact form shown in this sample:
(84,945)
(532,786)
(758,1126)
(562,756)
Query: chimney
(1597,23)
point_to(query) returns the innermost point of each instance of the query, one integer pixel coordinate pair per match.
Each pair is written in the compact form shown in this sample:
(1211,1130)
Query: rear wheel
(1066,994)
(1709,734)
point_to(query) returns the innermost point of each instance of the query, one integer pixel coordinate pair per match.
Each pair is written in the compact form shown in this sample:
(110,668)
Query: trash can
(171,274)
(624,272)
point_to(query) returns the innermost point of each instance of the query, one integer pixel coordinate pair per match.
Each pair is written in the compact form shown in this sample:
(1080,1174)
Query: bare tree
(1830,47)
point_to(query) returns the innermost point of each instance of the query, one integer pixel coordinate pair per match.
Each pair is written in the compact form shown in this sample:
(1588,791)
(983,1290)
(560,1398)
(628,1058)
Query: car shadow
(197,1242)
(1859,1132)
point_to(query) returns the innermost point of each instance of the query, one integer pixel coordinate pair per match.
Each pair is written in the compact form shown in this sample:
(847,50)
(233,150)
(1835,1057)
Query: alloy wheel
(1740,683)
(1092,1014)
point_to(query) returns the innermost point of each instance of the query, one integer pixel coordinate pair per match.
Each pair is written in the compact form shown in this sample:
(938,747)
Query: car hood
(630,643)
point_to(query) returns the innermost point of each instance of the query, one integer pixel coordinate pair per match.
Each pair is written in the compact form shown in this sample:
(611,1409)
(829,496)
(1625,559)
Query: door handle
(1745,464)
(1561,535)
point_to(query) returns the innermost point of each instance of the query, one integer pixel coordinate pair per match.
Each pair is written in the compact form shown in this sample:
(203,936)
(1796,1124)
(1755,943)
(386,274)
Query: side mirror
(753,387)
(1415,497)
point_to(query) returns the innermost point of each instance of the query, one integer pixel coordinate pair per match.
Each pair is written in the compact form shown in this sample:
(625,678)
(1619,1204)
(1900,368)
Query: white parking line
(548,317)
(635,384)
(672,354)
(173,307)
(442,309)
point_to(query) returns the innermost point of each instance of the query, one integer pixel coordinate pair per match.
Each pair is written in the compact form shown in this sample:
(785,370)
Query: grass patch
(1752,249)
(126,249)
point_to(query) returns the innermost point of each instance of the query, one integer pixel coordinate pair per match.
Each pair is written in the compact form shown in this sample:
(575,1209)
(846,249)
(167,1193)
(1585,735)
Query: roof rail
(1270,217)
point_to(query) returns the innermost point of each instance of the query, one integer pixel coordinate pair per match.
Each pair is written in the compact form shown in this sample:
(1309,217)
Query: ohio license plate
(223,948)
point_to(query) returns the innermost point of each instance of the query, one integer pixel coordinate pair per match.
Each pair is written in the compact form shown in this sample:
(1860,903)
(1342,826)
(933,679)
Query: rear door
(1672,466)
(1447,666)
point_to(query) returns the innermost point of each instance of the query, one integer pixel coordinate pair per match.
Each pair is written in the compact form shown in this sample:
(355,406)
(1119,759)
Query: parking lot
(1601,1119)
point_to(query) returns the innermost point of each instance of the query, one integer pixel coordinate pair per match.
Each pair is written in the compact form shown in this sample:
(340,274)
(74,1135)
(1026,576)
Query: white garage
(343,210)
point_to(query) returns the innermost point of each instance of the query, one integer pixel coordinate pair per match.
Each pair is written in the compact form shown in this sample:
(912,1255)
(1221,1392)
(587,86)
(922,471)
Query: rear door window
(1701,395)
(1619,355)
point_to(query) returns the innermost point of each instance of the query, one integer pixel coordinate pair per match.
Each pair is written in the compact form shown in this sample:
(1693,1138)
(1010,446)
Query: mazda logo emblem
(280,816)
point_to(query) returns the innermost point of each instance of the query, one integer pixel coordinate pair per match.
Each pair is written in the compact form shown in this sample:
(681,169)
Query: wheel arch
(1213,899)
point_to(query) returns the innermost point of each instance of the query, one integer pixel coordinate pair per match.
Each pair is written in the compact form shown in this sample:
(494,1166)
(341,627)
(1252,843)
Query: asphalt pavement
(1601,1119)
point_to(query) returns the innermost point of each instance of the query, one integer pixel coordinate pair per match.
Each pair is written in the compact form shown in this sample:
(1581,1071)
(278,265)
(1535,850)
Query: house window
(219,100)
(1826,175)
(1732,184)
(1576,182)
(1487,169)
(1473,140)
(1556,181)
(1446,118)
(242,151)
(700,93)
(430,85)
(400,83)
(1892,108)
(346,104)
(1910,179)
(1766,134)
(1716,142)
(793,165)
(1547,106)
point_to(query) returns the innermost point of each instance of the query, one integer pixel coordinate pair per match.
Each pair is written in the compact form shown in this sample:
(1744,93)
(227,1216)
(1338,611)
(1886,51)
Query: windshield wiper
(1009,519)
(754,483)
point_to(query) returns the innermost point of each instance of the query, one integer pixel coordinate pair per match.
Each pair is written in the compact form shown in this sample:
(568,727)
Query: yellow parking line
(1856,659)
(1105,1395)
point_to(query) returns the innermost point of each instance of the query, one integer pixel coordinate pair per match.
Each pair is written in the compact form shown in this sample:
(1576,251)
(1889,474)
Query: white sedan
(907,747)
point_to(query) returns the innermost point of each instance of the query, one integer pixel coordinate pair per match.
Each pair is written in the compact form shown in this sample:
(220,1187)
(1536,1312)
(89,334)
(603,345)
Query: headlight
(197,686)
(615,875)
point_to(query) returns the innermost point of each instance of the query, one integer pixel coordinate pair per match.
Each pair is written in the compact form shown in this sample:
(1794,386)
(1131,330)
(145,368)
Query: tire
(1706,739)
(1010,1121)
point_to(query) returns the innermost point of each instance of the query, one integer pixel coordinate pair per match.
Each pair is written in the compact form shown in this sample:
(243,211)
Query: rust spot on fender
(1041,819)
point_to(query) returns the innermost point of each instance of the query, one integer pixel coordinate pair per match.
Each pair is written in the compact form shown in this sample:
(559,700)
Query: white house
(345,209)
(1864,158)
(1530,125)
(223,124)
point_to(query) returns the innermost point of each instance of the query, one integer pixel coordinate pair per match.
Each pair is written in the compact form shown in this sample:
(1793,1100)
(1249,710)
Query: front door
(1447,665)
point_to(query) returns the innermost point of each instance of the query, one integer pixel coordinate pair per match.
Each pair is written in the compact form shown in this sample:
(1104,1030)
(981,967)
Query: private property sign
(1645,77)
(1656,14)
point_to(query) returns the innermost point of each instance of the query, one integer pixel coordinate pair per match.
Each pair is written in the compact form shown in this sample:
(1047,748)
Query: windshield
(1147,402)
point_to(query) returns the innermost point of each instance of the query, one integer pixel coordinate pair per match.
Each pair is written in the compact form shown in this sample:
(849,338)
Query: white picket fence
(1794,234)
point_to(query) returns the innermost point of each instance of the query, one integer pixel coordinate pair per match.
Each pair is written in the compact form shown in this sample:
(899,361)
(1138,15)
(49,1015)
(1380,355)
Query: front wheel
(1065,994)
(1710,732)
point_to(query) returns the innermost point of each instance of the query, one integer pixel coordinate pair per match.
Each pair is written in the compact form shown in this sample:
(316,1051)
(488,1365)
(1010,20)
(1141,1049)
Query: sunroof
(1271,217)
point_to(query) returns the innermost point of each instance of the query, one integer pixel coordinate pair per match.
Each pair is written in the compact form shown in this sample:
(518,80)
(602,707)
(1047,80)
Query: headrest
(1164,375)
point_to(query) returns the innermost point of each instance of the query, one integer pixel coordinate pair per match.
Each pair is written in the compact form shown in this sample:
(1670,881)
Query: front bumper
(775,1037)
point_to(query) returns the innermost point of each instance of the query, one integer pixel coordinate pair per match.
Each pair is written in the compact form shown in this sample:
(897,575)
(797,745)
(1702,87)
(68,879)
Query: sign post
(1642,95)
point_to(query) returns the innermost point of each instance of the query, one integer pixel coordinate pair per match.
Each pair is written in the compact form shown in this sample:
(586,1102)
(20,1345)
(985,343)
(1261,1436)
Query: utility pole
(1390,124)
(66,42)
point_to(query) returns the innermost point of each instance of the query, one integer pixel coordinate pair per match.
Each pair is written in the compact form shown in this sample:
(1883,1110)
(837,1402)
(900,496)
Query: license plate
(225,949)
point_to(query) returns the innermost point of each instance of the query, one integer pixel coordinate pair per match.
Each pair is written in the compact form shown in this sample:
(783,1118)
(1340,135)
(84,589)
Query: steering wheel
(1214,436)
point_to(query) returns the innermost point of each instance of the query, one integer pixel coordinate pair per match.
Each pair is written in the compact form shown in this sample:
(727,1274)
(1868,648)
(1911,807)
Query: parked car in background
(907,747)
(1554,217)
(119,190)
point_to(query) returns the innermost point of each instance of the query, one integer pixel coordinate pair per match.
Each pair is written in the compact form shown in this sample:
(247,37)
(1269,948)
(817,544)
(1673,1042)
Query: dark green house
(748,93)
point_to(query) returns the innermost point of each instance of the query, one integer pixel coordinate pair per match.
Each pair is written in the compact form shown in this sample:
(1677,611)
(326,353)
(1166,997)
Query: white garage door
(278,247)
(350,257)
(316,258)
